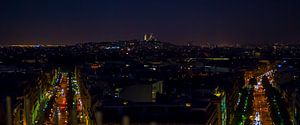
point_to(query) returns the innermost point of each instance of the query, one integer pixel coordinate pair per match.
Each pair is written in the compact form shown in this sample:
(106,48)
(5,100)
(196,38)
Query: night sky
(175,21)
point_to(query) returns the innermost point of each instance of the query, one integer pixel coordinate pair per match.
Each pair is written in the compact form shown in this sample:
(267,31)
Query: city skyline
(137,62)
(178,22)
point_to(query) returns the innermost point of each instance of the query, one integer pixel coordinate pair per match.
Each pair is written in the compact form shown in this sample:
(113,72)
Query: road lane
(58,113)
(261,110)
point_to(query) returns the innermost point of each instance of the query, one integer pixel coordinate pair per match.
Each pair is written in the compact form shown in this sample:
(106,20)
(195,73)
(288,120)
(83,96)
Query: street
(261,110)
(57,111)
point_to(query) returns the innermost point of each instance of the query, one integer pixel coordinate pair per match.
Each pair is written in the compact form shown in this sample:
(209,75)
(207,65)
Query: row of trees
(245,107)
(277,104)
